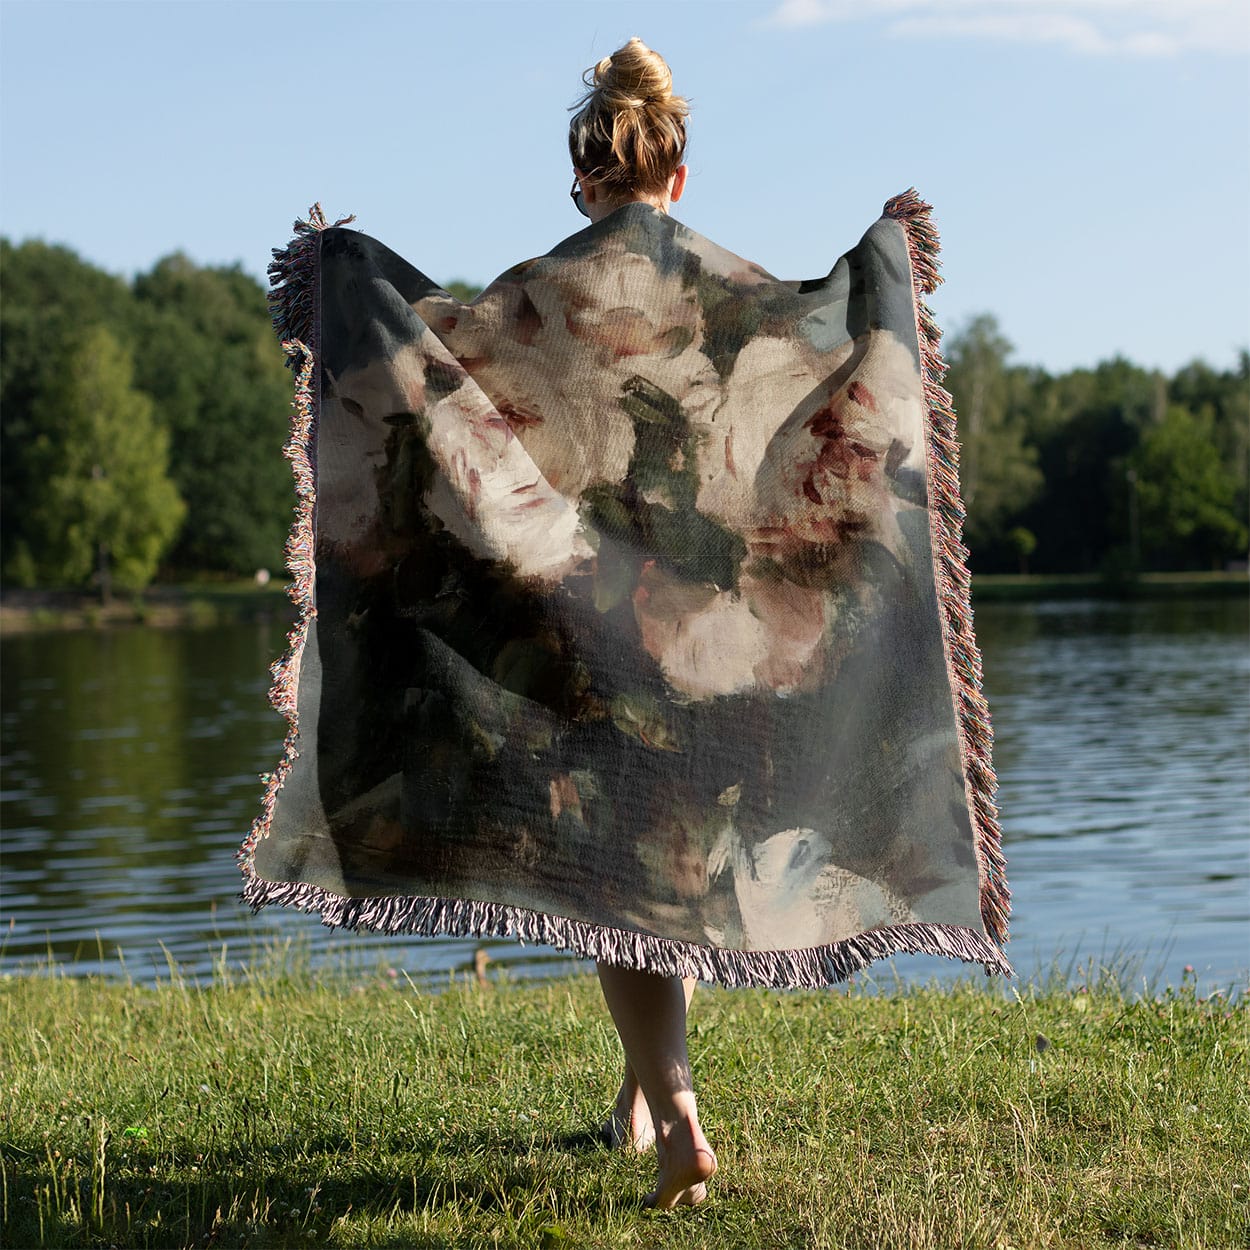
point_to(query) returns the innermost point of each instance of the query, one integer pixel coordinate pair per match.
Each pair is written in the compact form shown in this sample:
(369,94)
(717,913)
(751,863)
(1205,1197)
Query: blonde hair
(629,133)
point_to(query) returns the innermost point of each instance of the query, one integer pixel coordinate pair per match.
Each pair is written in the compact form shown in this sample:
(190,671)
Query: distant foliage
(465,292)
(1187,492)
(999,473)
(1114,469)
(51,299)
(207,352)
(143,424)
(105,505)
(208,369)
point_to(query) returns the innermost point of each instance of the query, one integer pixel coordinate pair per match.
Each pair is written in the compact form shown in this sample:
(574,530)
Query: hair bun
(630,129)
(634,76)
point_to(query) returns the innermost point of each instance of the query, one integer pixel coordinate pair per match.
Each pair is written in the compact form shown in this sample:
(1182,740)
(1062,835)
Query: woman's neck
(602,208)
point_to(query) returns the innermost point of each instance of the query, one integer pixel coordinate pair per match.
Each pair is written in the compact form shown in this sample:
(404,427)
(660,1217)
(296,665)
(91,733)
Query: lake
(130,774)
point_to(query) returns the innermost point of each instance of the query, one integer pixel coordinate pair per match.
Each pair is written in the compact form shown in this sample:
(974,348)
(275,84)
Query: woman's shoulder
(640,232)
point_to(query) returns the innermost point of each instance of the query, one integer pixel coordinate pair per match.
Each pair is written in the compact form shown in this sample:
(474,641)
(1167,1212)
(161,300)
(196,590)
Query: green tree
(465,292)
(997,466)
(51,298)
(208,356)
(1086,424)
(104,503)
(1222,398)
(1186,495)
(1024,543)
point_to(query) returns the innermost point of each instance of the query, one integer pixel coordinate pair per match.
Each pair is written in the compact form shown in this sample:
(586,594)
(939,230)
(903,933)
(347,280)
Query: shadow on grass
(264,1198)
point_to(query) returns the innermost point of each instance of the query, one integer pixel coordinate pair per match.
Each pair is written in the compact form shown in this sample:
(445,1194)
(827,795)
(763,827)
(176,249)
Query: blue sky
(1089,160)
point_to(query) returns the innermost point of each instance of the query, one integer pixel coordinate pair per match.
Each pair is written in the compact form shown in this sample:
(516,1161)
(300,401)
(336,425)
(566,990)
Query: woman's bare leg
(629,1125)
(650,1015)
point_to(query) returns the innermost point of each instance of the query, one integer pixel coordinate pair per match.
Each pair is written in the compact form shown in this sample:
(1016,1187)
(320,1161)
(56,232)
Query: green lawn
(296,1110)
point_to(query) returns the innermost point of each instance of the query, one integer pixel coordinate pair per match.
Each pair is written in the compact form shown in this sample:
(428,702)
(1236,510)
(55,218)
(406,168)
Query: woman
(628,625)
(628,142)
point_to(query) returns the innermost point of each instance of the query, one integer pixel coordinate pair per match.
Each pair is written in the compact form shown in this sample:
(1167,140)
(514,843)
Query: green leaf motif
(641,717)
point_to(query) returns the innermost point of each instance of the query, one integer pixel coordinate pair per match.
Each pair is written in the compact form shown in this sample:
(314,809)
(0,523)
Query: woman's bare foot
(629,1126)
(686,1165)
(649,1012)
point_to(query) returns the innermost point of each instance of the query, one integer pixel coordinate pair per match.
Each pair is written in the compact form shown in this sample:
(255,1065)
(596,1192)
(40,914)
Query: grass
(293,1109)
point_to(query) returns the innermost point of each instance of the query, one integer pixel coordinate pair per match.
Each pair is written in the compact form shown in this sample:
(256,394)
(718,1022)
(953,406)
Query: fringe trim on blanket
(294,296)
(811,968)
(954,584)
(294,302)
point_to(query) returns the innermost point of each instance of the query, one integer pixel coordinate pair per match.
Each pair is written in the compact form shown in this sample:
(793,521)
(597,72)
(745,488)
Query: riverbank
(218,603)
(195,604)
(288,1110)
(999,587)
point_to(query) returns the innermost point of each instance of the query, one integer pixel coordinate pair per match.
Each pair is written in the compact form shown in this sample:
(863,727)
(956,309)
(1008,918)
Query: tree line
(1113,470)
(142,422)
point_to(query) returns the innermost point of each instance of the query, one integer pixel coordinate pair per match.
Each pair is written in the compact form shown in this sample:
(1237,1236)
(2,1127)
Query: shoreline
(1017,587)
(173,606)
(200,605)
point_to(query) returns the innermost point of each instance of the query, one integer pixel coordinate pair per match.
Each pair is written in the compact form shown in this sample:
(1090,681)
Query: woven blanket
(634,616)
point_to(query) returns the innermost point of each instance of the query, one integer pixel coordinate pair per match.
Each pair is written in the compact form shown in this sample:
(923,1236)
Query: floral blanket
(634,615)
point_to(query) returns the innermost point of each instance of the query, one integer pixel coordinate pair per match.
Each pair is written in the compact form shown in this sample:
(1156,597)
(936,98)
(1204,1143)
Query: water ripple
(1121,734)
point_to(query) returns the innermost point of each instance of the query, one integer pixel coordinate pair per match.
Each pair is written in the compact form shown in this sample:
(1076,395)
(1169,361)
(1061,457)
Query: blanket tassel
(954,582)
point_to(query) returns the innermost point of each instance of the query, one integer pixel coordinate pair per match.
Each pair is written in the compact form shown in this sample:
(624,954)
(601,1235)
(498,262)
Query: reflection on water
(1123,733)
(131,758)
